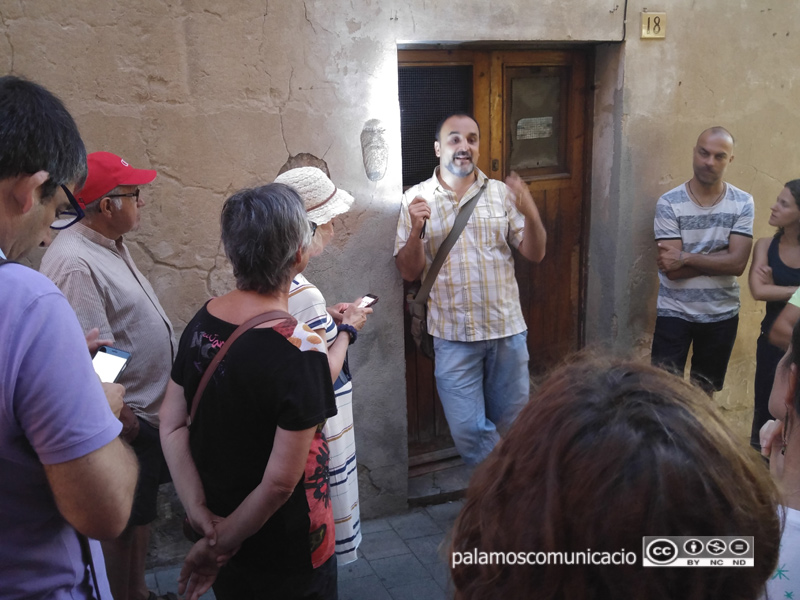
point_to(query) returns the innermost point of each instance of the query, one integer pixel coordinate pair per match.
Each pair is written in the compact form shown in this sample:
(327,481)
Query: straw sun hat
(323,200)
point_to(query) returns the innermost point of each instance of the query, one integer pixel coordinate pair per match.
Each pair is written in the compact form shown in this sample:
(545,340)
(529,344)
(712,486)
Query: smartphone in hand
(109,363)
(368,300)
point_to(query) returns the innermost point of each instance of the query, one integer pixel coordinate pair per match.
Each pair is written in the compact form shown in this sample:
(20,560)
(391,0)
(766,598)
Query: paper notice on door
(534,128)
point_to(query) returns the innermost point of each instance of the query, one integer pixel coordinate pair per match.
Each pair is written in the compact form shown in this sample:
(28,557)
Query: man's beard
(462,171)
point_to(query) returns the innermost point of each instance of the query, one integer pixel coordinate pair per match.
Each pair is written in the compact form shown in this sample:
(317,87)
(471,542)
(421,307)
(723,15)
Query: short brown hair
(609,451)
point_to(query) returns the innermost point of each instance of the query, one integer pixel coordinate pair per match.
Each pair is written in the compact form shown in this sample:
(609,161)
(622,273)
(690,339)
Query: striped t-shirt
(703,230)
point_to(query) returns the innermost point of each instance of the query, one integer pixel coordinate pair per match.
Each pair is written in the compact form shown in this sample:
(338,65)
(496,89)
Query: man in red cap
(91,265)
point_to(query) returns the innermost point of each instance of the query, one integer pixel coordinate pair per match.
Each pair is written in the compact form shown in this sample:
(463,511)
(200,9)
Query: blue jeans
(482,386)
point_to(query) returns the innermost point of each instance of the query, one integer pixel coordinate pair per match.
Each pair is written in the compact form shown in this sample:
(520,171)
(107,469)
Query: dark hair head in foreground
(604,454)
(38,134)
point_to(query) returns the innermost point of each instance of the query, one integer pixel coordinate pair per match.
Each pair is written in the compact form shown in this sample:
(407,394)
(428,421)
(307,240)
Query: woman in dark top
(252,473)
(774,277)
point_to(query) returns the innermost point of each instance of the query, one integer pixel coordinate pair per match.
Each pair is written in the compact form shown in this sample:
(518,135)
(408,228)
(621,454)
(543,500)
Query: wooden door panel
(428,432)
(550,292)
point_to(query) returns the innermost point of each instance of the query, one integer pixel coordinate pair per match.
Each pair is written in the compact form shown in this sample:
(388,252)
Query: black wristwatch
(350,330)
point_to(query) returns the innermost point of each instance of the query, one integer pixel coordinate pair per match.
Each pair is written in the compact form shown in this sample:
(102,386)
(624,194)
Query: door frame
(488,110)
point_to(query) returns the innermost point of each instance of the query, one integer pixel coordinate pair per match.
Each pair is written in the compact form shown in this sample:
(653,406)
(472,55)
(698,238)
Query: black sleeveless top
(781,275)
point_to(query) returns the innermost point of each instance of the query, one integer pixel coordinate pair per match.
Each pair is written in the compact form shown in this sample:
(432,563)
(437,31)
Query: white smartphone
(368,300)
(109,363)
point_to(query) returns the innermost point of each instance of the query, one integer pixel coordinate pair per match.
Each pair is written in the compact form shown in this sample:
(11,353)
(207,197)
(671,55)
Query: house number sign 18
(654,26)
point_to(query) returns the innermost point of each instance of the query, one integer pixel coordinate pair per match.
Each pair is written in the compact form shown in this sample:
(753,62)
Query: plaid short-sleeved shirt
(475,296)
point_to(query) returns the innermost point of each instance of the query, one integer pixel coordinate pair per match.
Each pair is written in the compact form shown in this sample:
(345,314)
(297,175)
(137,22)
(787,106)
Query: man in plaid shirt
(474,312)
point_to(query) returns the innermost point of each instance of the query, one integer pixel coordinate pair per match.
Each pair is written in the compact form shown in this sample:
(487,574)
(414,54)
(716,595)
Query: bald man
(704,233)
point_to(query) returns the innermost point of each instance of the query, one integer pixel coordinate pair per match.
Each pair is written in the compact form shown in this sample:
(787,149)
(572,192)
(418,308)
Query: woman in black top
(774,277)
(252,473)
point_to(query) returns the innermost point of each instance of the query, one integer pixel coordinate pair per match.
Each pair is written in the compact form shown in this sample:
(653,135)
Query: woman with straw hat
(339,325)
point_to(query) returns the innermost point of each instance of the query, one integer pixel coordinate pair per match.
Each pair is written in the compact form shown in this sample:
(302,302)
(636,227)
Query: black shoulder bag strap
(86,553)
(461,222)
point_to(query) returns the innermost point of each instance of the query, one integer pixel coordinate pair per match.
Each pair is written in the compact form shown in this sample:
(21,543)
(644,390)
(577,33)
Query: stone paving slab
(382,544)
(399,570)
(365,588)
(422,573)
(430,550)
(414,525)
(419,590)
(441,575)
(375,525)
(400,558)
(355,570)
(445,514)
(167,579)
(451,481)
(150,580)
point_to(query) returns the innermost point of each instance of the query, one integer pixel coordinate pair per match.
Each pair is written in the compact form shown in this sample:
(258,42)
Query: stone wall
(217,96)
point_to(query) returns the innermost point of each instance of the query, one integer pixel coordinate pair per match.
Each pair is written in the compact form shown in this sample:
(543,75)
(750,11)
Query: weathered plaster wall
(722,63)
(608,261)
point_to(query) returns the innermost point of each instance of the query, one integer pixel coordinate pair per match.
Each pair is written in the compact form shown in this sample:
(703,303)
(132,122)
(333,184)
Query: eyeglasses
(129,195)
(68,216)
(313,228)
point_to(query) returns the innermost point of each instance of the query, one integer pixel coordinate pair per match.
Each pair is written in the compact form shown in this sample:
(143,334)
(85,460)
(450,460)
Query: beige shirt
(106,290)
(475,296)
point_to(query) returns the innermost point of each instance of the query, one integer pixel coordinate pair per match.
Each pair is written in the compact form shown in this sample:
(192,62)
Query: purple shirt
(52,410)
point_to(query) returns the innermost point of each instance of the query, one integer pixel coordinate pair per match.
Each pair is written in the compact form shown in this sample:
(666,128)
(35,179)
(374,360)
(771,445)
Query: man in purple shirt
(66,475)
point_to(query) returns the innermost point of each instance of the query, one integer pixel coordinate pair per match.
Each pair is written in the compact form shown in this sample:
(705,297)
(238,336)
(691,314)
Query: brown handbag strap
(212,367)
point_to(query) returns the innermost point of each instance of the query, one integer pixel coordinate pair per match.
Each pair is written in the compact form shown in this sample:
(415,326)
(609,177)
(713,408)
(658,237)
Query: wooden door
(538,128)
(532,108)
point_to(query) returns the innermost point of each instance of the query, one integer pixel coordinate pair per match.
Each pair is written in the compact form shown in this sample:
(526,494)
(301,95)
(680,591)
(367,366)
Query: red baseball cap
(107,171)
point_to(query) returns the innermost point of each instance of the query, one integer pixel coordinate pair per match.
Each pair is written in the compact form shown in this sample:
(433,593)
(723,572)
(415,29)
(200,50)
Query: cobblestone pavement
(402,558)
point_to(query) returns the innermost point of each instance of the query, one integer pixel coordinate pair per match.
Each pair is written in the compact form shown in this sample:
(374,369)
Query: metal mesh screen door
(428,94)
